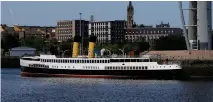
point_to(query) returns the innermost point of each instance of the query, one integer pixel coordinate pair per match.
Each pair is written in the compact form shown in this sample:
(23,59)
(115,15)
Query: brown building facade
(130,15)
(36,31)
(67,29)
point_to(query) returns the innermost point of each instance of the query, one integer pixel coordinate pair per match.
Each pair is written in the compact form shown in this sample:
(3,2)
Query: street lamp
(122,51)
(109,51)
(64,52)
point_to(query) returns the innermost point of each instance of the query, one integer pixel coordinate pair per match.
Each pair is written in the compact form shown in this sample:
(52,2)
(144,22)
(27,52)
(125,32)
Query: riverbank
(10,62)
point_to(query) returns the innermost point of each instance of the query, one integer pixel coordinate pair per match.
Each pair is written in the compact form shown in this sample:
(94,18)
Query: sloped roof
(22,48)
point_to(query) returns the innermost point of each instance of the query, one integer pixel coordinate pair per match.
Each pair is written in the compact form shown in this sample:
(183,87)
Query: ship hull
(48,72)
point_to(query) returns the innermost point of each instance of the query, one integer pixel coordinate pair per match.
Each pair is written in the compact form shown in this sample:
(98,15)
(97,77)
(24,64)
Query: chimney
(76,43)
(91,18)
(92,41)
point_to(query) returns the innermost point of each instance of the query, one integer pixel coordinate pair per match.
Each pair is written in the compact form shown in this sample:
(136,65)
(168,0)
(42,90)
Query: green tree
(9,41)
(35,42)
(173,42)
(127,47)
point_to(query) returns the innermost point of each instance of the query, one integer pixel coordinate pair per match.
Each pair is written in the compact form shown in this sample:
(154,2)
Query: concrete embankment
(195,63)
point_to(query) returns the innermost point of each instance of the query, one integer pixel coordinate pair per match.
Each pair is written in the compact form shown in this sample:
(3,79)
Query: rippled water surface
(15,88)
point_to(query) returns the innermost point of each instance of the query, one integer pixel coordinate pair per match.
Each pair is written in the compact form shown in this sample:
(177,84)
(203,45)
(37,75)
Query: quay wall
(195,63)
(10,62)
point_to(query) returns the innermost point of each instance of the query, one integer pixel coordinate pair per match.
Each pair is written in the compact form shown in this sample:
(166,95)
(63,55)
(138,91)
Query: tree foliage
(34,42)
(9,41)
(173,42)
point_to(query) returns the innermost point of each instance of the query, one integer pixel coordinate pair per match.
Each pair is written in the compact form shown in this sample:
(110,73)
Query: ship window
(133,67)
(136,67)
(121,60)
(77,61)
(145,67)
(87,61)
(139,67)
(146,60)
(138,60)
(127,60)
(97,61)
(130,67)
(133,60)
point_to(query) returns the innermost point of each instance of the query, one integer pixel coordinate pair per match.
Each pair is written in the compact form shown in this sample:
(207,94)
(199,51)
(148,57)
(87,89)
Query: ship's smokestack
(92,41)
(75,51)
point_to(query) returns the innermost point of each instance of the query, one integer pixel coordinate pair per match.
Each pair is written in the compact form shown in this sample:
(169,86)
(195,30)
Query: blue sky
(47,13)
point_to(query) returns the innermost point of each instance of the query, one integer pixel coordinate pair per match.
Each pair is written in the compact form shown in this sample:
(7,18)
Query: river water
(15,88)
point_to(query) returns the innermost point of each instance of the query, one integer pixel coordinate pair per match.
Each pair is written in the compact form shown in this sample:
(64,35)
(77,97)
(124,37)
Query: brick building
(36,31)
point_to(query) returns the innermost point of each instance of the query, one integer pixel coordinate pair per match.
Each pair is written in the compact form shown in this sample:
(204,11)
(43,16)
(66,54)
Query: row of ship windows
(90,67)
(74,61)
(126,68)
(85,67)
(38,65)
(63,67)
(95,61)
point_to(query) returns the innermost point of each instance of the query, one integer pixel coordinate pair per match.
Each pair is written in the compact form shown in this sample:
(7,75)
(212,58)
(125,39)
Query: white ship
(50,65)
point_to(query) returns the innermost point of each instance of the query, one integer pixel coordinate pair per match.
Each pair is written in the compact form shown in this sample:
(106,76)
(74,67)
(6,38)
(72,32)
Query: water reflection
(18,89)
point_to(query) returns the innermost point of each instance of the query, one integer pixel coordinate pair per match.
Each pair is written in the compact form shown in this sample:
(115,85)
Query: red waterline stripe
(69,75)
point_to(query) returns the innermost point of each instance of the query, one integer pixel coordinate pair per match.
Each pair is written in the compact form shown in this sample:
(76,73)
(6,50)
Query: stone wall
(186,54)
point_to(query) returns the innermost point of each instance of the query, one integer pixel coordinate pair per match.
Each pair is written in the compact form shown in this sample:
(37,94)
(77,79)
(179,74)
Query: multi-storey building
(108,31)
(36,31)
(67,29)
(135,34)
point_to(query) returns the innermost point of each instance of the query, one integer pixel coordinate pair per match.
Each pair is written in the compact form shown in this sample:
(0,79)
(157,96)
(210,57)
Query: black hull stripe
(42,72)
